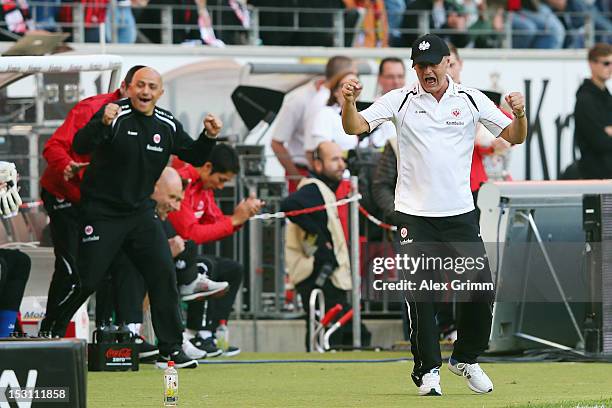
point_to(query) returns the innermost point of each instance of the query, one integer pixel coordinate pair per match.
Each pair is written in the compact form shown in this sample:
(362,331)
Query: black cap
(429,48)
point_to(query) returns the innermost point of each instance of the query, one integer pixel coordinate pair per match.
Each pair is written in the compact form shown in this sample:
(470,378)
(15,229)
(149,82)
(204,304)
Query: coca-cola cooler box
(112,351)
(43,373)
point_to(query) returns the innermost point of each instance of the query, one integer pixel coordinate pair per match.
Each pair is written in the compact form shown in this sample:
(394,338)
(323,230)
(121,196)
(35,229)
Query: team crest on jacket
(404,232)
(156,138)
(456,112)
(89,230)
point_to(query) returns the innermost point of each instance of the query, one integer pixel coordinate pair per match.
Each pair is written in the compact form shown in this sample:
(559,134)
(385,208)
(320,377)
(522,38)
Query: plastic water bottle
(222,335)
(170,386)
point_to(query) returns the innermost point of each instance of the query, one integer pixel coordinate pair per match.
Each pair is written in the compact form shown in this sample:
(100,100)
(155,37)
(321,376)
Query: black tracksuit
(14,273)
(592,113)
(64,226)
(117,212)
(121,293)
(441,237)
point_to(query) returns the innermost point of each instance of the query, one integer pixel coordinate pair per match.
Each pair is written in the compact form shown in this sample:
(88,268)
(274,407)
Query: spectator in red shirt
(61,194)
(94,14)
(201,221)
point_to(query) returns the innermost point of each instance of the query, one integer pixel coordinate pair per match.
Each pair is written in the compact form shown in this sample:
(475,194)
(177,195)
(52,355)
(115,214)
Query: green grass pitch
(568,385)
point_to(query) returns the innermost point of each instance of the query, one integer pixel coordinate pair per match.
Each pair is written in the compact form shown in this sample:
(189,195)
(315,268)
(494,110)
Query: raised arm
(516,132)
(96,131)
(196,151)
(352,121)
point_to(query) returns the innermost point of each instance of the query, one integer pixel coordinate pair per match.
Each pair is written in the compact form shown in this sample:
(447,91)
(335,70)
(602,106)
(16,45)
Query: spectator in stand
(335,66)
(15,15)
(391,75)
(444,14)
(318,17)
(395,15)
(281,19)
(187,16)
(46,16)
(491,22)
(229,16)
(593,116)
(536,26)
(457,20)
(95,14)
(328,122)
(291,125)
(200,220)
(124,21)
(576,22)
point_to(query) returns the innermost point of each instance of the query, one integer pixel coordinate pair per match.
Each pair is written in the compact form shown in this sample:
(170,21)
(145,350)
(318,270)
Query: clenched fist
(213,125)
(110,113)
(351,90)
(516,101)
(177,245)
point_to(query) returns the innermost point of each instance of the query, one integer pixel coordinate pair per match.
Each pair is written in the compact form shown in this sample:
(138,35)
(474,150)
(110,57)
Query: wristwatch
(519,114)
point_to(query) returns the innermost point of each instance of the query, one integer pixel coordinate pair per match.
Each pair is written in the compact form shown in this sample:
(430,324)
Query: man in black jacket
(593,116)
(131,142)
(328,266)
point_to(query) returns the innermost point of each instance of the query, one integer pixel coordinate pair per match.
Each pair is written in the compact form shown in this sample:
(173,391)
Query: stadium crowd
(541,24)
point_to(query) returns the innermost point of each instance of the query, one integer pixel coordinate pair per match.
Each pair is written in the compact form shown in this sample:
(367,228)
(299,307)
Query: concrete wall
(289,335)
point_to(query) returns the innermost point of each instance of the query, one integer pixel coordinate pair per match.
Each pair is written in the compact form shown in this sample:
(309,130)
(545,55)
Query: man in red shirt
(61,194)
(201,221)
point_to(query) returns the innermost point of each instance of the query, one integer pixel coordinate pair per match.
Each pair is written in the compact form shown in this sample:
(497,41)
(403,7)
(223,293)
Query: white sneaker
(201,288)
(430,383)
(192,351)
(478,380)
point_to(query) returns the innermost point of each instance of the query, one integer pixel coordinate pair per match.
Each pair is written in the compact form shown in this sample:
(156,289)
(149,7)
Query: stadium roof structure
(15,68)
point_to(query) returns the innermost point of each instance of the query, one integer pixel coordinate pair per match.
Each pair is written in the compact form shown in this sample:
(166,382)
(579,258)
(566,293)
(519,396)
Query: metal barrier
(340,29)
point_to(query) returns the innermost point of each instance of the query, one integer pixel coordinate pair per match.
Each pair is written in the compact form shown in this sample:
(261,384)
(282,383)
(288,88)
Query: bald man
(131,141)
(168,192)
(316,250)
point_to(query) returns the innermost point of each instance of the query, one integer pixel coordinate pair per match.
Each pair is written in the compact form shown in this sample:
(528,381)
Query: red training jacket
(58,149)
(199,219)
